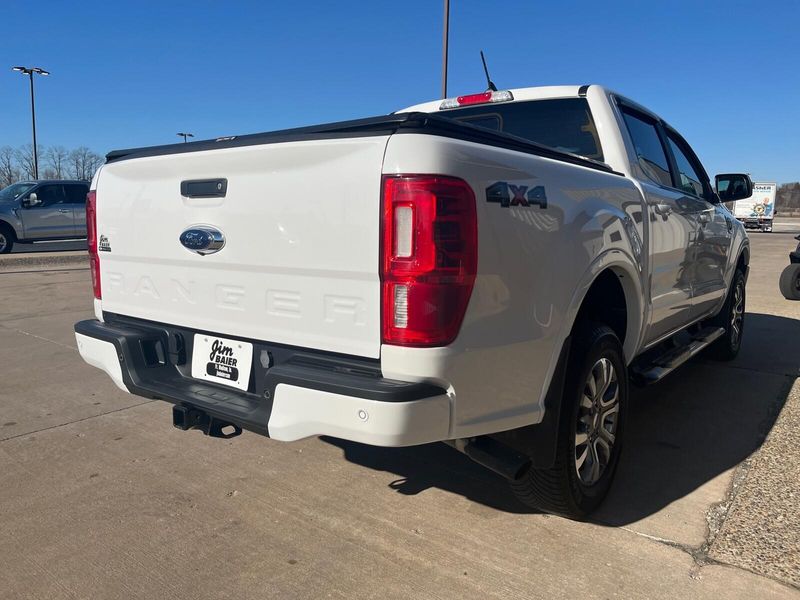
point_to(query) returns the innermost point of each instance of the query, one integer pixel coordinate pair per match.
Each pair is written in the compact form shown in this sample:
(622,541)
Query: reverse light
(91,241)
(482,98)
(429,258)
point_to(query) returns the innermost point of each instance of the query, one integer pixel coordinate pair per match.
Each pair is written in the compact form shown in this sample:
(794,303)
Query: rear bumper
(298,394)
(756,222)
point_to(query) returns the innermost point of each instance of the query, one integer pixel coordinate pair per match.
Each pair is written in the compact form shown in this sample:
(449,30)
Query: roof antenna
(492,87)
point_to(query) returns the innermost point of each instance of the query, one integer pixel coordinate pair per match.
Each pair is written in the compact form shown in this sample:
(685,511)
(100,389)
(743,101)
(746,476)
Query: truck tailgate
(300,260)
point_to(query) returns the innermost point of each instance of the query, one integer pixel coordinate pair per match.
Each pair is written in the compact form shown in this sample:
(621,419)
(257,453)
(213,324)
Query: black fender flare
(744,257)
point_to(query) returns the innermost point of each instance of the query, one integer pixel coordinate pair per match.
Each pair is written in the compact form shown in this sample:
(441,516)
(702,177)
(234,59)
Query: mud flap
(539,441)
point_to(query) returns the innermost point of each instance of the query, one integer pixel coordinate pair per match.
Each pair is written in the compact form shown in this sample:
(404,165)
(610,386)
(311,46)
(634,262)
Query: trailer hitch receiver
(186,417)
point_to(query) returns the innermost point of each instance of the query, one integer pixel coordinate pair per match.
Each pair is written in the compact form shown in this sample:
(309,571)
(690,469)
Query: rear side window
(689,179)
(649,150)
(565,124)
(76,194)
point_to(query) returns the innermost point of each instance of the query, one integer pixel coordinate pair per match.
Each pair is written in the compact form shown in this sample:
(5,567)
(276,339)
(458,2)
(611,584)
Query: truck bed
(414,122)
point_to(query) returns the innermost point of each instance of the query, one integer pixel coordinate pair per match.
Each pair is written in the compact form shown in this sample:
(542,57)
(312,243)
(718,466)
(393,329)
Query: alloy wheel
(737,314)
(596,427)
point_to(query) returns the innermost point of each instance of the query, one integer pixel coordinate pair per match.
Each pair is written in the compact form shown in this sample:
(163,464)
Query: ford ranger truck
(489,271)
(39,211)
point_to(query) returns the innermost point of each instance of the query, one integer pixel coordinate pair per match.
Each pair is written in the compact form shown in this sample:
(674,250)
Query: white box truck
(757,211)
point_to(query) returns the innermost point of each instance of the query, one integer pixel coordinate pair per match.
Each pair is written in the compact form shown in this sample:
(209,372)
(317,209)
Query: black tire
(562,489)
(790,282)
(7,238)
(731,319)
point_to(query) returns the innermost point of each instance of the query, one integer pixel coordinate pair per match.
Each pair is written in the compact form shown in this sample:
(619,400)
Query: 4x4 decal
(507,194)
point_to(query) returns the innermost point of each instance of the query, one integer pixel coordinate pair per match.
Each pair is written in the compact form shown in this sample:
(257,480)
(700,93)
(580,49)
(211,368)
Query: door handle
(64,210)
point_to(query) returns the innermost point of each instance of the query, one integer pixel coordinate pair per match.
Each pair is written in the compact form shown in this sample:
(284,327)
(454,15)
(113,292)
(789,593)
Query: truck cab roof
(519,94)
(547,92)
(39,181)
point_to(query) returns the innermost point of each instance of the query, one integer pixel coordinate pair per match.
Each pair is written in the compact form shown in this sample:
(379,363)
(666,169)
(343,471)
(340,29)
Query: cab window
(76,193)
(687,178)
(50,194)
(649,150)
(565,124)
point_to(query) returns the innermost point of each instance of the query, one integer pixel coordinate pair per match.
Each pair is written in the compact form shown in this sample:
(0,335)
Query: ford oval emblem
(202,239)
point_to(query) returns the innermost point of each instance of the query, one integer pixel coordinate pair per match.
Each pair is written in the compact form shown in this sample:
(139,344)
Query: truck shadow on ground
(702,420)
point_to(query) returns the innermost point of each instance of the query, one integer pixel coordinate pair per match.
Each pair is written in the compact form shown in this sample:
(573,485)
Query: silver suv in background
(32,211)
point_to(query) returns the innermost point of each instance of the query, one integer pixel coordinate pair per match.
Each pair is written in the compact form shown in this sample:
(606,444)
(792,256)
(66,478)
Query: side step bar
(662,365)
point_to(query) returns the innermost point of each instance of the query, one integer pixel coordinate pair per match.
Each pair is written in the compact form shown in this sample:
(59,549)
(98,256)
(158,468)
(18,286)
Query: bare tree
(76,162)
(24,158)
(788,199)
(8,168)
(56,159)
(57,163)
(83,163)
(95,162)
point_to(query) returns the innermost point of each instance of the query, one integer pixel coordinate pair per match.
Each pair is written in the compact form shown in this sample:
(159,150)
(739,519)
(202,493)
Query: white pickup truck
(489,271)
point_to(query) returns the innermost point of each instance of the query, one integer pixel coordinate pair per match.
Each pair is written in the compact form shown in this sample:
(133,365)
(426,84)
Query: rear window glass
(565,124)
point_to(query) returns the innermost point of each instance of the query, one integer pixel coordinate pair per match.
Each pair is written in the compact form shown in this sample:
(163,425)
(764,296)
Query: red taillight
(91,241)
(474,99)
(429,258)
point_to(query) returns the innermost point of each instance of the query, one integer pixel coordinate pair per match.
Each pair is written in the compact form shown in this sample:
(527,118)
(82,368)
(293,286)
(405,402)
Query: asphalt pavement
(100,497)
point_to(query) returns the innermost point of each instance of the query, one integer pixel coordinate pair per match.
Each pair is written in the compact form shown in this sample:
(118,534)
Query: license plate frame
(222,360)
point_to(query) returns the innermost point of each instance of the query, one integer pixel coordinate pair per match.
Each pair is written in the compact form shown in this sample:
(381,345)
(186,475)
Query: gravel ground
(761,531)
(51,260)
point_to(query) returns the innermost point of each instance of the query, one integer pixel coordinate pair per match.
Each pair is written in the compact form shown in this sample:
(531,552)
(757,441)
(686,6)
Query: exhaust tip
(495,456)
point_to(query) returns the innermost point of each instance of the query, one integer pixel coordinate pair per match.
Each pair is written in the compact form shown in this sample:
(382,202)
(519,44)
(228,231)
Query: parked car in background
(34,211)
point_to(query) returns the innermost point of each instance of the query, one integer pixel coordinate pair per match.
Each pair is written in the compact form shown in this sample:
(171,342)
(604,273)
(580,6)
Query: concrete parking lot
(100,497)
(60,246)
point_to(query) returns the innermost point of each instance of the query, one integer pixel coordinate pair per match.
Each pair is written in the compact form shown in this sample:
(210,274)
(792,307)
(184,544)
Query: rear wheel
(790,282)
(6,239)
(593,411)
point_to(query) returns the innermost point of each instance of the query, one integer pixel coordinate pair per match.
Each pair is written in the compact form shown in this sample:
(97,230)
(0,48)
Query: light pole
(445,36)
(29,71)
(184,136)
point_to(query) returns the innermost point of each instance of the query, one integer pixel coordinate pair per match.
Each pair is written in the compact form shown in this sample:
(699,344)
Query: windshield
(565,124)
(15,190)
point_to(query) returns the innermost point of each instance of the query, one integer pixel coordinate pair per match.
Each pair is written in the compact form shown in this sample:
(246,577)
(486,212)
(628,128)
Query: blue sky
(725,74)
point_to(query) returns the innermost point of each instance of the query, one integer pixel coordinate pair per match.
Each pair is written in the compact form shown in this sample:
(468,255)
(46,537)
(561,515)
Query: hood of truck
(300,222)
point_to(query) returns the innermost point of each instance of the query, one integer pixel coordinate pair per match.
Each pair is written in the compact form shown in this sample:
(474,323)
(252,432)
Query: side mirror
(31,200)
(733,186)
